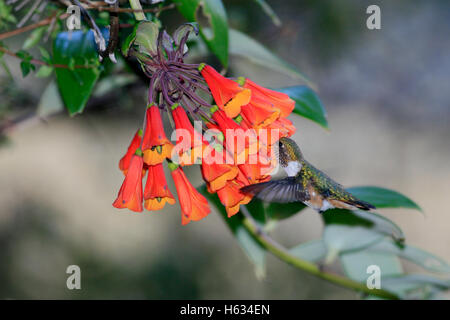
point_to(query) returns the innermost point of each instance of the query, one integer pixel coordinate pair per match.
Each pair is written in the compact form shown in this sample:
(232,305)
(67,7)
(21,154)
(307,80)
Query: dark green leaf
(26,67)
(75,85)
(126,45)
(24,55)
(307,104)
(383,198)
(246,47)
(312,251)
(251,247)
(212,19)
(256,208)
(280,211)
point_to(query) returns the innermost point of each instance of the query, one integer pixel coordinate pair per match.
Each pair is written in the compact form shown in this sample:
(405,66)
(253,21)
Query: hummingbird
(304,183)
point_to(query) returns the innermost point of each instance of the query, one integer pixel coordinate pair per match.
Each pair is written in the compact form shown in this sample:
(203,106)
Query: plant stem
(138,14)
(277,250)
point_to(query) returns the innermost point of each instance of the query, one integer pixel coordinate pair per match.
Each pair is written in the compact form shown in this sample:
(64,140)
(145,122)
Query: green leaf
(382,224)
(422,258)
(269,11)
(75,85)
(312,251)
(34,38)
(346,230)
(126,45)
(246,47)
(26,67)
(251,247)
(44,71)
(212,19)
(146,37)
(307,104)
(383,198)
(355,265)
(256,208)
(278,211)
(415,286)
(45,55)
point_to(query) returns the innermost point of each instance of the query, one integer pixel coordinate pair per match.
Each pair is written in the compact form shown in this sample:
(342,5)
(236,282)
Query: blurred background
(388,102)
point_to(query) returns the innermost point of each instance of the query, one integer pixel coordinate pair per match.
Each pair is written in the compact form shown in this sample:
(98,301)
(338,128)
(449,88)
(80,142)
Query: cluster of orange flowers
(240,105)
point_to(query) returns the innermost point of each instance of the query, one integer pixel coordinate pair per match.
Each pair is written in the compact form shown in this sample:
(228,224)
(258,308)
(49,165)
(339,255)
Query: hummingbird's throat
(293,168)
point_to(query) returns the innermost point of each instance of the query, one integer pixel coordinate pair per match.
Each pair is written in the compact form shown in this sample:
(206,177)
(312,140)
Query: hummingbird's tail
(360,204)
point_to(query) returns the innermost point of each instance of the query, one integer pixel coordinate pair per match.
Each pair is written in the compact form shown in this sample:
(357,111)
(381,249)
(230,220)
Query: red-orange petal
(124,163)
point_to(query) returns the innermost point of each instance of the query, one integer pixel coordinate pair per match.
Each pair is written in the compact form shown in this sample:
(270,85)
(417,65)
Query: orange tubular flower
(156,192)
(260,113)
(280,100)
(192,149)
(227,94)
(193,205)
(217,174)
(241,148)
(124,163)
(130,193)
(155,144)
(231,197)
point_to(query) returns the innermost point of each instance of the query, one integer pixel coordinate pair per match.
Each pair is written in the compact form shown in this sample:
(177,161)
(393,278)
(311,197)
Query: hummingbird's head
(288,151)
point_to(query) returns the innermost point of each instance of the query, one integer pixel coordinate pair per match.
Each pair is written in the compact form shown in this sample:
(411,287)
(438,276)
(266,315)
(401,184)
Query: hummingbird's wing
(283,191)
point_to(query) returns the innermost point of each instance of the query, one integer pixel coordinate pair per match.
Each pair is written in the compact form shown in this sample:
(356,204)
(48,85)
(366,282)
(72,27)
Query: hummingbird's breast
(293,168)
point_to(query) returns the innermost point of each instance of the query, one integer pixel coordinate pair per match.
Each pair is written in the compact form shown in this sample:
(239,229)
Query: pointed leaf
(147,37)
(346,230)
(76,84)
(212,19)
(307,104)
(422,258)
(246,47)
(416,286)
(34,38)
(383,198)
(44,71)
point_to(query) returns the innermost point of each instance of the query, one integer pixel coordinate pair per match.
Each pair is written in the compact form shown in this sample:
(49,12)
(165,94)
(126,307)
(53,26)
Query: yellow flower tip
(157,154)
(233,107)
(201,66)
